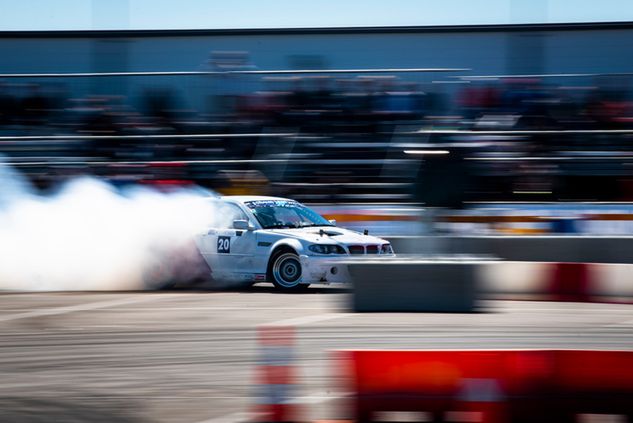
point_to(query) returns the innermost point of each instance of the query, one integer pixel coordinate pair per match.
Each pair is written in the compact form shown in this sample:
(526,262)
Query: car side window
(228,213)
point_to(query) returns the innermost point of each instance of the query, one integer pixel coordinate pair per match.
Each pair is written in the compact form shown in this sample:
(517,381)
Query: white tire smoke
(91,236)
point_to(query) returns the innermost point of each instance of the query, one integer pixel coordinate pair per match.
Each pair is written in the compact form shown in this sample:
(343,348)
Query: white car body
(244,255)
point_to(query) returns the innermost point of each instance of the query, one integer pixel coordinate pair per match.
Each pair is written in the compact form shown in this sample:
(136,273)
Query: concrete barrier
(571,249)
(393,285)
(443,284)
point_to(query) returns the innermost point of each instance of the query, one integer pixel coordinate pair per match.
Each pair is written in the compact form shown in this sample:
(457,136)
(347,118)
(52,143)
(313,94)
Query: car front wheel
(285,271)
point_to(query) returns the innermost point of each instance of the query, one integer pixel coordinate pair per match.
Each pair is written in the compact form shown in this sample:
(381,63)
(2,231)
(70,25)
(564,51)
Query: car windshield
(272,214)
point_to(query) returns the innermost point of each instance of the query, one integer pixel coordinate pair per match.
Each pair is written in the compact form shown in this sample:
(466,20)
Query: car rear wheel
(285,271)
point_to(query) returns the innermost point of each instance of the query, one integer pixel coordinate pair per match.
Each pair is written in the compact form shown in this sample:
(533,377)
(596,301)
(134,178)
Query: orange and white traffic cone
(276,375)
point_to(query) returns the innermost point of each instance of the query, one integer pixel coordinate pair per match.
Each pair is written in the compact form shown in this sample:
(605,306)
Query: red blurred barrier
(570,282)
(556,281)
(496,386)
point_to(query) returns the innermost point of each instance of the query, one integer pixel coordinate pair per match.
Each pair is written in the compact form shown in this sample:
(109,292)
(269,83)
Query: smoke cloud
(91,236)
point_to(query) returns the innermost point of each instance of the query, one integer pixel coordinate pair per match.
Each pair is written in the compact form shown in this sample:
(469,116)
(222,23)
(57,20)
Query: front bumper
(324,269)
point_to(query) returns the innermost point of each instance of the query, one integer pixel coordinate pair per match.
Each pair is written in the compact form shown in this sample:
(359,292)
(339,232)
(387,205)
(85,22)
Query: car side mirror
(242,225)
(332,221)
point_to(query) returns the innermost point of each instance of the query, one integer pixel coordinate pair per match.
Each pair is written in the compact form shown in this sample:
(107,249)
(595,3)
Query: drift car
(257,239)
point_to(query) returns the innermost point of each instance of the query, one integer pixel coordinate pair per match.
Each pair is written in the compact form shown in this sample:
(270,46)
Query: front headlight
(386,249)
(326,249)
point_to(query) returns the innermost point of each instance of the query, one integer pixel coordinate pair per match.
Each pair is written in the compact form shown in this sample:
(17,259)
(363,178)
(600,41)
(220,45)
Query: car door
(229,251)
(241,244)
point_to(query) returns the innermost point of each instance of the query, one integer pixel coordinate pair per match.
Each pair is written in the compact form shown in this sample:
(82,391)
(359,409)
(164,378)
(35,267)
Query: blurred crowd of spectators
(323,105)
(370,112)
(327,105)
(603,103)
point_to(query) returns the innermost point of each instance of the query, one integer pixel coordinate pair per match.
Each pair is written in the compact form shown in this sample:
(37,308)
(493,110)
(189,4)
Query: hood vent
(329,233)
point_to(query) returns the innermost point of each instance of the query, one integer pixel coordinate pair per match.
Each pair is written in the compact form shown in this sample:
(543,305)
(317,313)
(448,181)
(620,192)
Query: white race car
(257,239)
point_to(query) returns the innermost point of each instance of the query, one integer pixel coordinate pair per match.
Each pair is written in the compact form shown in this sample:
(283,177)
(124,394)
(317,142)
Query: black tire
(284,271)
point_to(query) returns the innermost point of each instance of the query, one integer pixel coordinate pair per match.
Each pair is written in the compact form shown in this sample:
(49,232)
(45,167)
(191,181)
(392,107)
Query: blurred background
(509,120)
(519,110)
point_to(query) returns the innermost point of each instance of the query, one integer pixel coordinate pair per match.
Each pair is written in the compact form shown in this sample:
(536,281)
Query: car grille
(360,249)
(356,249)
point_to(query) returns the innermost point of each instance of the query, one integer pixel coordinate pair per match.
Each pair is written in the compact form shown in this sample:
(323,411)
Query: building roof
(583,26)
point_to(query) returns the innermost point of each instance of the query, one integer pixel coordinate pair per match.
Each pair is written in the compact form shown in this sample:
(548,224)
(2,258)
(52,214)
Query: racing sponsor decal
(224,244)
(271,203)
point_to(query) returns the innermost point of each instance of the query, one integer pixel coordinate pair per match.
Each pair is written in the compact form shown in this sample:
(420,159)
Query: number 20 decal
(224,244)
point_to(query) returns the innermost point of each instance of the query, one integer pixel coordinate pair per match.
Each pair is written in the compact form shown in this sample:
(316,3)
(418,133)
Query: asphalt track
(189,357)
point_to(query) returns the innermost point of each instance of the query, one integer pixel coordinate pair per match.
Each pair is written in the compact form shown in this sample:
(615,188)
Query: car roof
(246,198)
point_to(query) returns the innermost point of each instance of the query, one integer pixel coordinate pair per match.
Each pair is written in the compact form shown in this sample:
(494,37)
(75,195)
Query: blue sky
(168,14)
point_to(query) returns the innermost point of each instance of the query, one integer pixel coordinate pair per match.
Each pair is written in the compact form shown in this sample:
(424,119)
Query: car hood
(327,234)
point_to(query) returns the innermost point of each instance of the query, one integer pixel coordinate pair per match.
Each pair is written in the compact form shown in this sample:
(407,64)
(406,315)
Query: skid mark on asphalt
(213,308)
(306,320)
(80,307)
(230,418)
(623,323)
(239,417)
